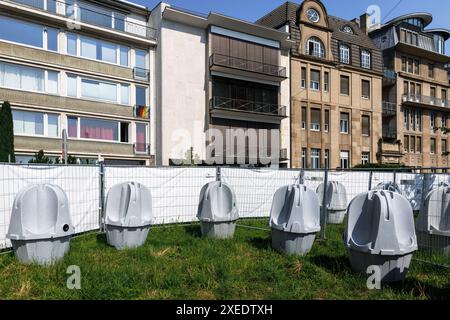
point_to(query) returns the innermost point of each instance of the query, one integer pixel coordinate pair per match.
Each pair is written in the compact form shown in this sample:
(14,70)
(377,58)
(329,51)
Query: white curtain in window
(71,85)
(52,125)
(28,122)
(89,89)
(11,76)
(108,92)
(52,82)
(109,52)
(88,48)
(32,79)
(125,94)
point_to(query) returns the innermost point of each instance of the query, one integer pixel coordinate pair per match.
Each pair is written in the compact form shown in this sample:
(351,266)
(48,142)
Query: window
(315,158)
(303,79)
(344,54)
(327,159)
(79,87)
(21,32)
(404,63)
(347,29)
(430,70)
(413,120)
(365,88)
(28,78)
(315,80)
(410,65)
(345,85)
(326,81)
(433,92)
(327,121)
(444,120)
(52,39)
(72,127)
(409,37)
(433,146)
(303,118)
(432,121)
(98,129)
(313,15)
(365,125)
(141,96)
(416,67)
(406,118)
(366,59)
(141,137)
(365,158)
(314,47)
(140,59)
(35,123)
(345,163)
(412,144)
(304,158)
(444,146)
(419,120)
(315,120)
(444,98)
(419,145)
(96,49)
(344,123)
(406,144)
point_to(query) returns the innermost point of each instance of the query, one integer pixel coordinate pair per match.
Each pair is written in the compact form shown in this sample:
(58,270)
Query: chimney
(364,23)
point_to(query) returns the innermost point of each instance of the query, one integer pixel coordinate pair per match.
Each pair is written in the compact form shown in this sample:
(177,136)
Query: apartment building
(336,82)
(224,90)
(80,66)
(415,92)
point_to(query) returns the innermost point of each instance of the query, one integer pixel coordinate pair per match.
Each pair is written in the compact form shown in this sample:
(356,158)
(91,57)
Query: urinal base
(43,251)
(428,241)
(392,268)
(218,230)
(299,244)
(336,217)
(126,237)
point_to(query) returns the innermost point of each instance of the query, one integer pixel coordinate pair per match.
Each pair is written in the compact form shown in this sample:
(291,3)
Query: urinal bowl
(218,230)
(43,251)
(336,217)
(428,241)
(393,268)
(299,244)
(126,237)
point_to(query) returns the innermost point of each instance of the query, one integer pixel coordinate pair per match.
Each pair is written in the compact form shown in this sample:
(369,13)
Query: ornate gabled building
(415,92)
(336,85)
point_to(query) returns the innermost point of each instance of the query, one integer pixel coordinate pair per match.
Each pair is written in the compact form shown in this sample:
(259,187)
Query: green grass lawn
(176,263)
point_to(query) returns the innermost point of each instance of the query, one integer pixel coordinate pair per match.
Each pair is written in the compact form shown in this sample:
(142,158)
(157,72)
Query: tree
(6,134)
(191,158)
(40,157)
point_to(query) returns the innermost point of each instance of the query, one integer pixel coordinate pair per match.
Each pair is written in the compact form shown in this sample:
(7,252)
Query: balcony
(414,99)
(244,67)
(389,109)
(141,149)
(141,112)
(100,17)
(390,77)
(141,74)
(246,110)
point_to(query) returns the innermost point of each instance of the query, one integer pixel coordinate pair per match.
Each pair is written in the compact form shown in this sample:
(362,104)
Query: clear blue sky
(251,10)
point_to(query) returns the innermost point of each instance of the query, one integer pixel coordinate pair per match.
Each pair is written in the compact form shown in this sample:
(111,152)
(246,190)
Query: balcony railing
(141,148)
(247,65)
(80,13)
(431,101)
(248,106)
(141,112)
(141,74)
(389,108)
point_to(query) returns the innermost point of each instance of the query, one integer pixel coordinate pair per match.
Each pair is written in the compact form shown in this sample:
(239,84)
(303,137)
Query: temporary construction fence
(176,190)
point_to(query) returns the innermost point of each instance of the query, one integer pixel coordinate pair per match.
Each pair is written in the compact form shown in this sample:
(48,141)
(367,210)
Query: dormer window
(344,53)
(366,62)
(314,47)
(347,29)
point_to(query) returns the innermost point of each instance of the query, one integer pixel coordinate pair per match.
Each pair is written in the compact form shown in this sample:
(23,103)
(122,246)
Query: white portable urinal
(380,233)
(433,223)
(40,227)
(294,219)
(336,201)
(217,210)
(388,186)
(129,215)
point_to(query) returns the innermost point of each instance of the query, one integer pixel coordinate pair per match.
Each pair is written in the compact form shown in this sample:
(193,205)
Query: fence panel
(175,191)
(81,184)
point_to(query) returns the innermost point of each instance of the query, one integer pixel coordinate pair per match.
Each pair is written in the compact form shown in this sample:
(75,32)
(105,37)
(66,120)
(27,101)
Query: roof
(287,12)
(426,17)
(441,31)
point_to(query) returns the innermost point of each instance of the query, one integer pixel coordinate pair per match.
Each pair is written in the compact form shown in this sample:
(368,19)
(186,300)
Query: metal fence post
(395,176)
(324,209)
(101,208)
(370,180)
(218,174)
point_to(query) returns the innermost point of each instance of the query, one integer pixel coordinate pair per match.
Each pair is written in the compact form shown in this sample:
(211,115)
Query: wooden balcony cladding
(245,58)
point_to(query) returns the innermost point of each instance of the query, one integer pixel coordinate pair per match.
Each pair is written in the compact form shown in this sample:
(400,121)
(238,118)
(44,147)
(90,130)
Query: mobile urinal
(294,219)
(380,236)
(433,223)
(388,186)
(336,201)
(217,210)
(128,215)
(40,227)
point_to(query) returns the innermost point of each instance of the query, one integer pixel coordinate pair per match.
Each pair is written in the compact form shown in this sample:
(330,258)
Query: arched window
(366,59)
(344,53)
(347,29)
(314,47)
